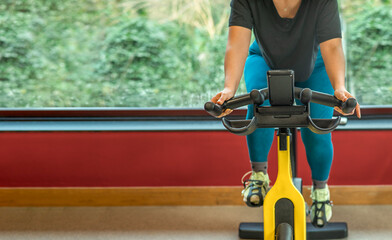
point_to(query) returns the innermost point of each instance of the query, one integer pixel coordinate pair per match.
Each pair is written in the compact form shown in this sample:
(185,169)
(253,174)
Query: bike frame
(284,203)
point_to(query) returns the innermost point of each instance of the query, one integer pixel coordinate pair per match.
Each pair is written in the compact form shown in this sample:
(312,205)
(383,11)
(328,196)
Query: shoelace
(258,182)
(246,174)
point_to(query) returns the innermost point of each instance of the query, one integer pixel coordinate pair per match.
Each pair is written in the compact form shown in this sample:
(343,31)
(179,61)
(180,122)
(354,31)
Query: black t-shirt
(289,43)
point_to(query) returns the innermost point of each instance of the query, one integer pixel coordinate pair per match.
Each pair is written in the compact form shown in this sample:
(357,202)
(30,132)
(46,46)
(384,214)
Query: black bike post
(292,132)
(293,152)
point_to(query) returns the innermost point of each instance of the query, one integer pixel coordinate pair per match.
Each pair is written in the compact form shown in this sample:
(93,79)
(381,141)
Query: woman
(302,35)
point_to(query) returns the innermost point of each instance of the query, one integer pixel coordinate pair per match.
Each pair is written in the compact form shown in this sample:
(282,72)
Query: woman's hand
(221,97)
(343,95)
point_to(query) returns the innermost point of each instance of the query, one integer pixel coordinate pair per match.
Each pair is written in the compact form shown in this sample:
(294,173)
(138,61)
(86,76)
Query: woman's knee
(313,140)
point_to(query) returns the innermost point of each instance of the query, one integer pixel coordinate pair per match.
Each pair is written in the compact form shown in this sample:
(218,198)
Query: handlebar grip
(325,99)
(331,101)
(349,105)
(213,108)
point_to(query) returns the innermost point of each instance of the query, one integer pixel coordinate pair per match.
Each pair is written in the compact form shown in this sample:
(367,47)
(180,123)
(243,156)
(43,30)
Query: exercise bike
(284,206)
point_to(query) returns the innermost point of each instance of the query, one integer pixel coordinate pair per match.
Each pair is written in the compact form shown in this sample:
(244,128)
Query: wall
(162,158)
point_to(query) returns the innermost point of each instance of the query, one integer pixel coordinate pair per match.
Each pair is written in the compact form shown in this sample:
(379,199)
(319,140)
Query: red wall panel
(71,159)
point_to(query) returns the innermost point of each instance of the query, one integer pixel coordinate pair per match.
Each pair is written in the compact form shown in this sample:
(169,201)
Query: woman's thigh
(255,72)
(318,81)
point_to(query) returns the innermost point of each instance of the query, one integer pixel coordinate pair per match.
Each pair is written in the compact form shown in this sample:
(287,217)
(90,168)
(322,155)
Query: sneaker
(321,210)
(255,188)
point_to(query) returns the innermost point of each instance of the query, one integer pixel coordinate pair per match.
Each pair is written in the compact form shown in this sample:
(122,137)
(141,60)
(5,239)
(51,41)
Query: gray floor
(365,222)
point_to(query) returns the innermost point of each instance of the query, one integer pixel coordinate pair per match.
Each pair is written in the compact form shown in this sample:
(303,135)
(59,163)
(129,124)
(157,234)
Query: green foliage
(89,54)
(44,54)
(150,64)
(369,55)
(16,40)
(142,58)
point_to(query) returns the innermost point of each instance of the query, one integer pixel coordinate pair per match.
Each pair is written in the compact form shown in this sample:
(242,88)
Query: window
(153,53)
(369,48)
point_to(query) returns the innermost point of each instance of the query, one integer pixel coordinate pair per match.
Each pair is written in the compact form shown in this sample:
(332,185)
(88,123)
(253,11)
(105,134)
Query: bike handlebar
(259,96)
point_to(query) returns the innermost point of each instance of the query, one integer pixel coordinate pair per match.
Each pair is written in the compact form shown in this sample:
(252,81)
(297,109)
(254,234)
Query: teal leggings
(319,149)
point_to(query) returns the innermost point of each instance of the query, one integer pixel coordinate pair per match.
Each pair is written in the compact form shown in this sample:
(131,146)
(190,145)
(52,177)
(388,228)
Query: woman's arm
(236,53)
(333,56)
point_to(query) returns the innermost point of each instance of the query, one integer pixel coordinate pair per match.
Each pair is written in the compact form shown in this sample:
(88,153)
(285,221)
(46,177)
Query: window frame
(150,119)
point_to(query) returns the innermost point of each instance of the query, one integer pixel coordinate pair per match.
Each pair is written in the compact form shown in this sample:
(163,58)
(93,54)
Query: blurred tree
(369,51)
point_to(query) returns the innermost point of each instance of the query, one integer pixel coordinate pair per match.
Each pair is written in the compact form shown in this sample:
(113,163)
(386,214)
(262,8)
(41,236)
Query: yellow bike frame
(284,189)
